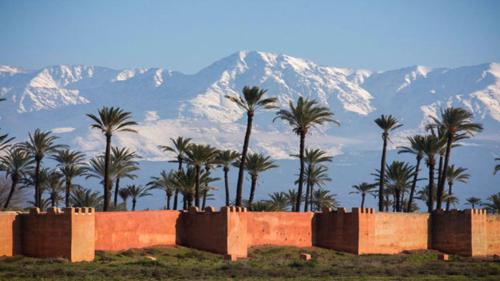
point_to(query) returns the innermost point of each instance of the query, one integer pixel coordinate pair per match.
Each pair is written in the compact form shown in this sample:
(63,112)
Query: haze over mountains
(168,103)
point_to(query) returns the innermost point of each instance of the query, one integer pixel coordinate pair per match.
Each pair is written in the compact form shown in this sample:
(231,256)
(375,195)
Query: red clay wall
(10,234)
(391,233)
(451,232)
(67,234)
(493,234)
(280,228)
(337,230)
(116,231)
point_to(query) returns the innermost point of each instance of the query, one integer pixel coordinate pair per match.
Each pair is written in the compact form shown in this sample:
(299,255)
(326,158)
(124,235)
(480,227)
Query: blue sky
(188,35)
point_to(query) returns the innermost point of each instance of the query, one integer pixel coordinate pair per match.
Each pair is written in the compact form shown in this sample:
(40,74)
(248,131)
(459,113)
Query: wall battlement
(75,233)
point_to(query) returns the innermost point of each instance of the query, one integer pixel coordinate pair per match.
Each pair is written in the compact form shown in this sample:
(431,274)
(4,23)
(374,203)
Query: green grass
(264,263)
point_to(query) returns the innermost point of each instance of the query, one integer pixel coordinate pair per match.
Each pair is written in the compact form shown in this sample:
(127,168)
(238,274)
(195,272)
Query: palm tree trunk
(440,168)
(168,201)
(176,194)
(398,197)
(184,203)
(204,200)
(52,200)
(387,202)
(311,202)
(443,173)
(431,187)
(252,192)
(134,201)
(197,187)
(382,175)
(413,185)
(68,192)
(239,186)
(11,193)
(189,201)
(37,184)
(107,159)
(308,189)
(363,200)
(117,188)
(301,174)
(449,194)
(226,184)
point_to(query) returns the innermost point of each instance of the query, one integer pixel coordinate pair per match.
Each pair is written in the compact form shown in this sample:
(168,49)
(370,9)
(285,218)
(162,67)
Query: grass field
(264,263)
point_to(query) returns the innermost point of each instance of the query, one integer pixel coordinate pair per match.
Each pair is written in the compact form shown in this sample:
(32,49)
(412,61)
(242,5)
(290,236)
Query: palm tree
(95,169)
(398,178)
(225,158)
(323,199)
(417,148)
(136,192)
(124,194)
(432,145)
(387,124)
(457,123)
(109,121)
(38,146)
(209,163)
(166,182)
(55,186)
(263,206)
(123,160)
(302,117)
(312,157)
(16,164)
(497,166)
(363,189)
(197,155)
(473,201)
(494,203)
(83,197)
(455,174)
(278,201)
(252,100)
(256,163)
(185,181)
(70,164)
(291,197)
(316,175)
(4,141)
(179,148)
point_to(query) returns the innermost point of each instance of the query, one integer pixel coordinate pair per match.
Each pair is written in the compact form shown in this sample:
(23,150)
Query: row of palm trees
(23,161)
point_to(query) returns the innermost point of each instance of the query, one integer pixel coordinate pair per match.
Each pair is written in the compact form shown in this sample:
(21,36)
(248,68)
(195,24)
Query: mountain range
(169,103)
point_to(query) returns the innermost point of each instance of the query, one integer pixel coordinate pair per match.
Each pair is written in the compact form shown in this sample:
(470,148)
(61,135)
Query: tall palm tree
(39,145)
(16,164)
(83,197)
(387,123)
(124,161)
(322,198)
(70,164)
(256,163)
(197,155)
(185,181)
(312,157)
(364,188)
(166,182)
(456,122)
(302,117)
(494,203)
(179,148)
(473,201)
(252,100)
(209,163)
(455,174)
(225,159)
(136,192)
(432,145)
(416,147)
(123,193)
(110,120)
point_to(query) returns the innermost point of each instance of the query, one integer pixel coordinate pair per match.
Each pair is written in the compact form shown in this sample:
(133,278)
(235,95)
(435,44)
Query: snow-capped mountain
(169,103)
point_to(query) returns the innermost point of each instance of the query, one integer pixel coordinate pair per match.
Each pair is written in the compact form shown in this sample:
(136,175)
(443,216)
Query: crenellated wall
(75,233)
